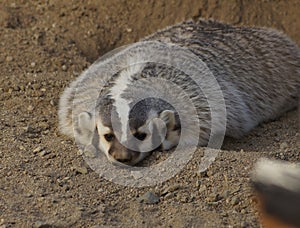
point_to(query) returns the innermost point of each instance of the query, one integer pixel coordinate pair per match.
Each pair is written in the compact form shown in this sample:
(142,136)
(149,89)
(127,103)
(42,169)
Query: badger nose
(123,160)
(123,157)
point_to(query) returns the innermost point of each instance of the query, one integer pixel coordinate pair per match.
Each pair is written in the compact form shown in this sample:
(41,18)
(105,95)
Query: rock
(136,174)
(198,183)
(203,173)
(244,224)
(234,201)
(202,188)
(149,198)
(21,147)
(214,197)
(16,88)
(79,152)
(209,173)
(169,195)
(226,194)
(52,103)
(29,129)
(82,169)
(170,189)
(90,151)
(183,199)
(44,126)
(30,108)
(9,58)
(64,67)
(38,149)
(43,153)
(283,146)
(41,224)
(224,214)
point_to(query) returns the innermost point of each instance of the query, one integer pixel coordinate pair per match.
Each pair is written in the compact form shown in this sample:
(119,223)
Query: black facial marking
(140,136)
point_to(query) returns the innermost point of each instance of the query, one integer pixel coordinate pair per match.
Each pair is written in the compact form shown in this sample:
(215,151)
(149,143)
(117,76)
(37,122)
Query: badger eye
(140,136)
(109,137)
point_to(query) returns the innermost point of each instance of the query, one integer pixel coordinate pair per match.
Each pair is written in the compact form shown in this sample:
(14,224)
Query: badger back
(258,69)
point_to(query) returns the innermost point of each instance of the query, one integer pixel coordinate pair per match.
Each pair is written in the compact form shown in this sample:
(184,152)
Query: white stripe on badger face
(122,105)
(103,144)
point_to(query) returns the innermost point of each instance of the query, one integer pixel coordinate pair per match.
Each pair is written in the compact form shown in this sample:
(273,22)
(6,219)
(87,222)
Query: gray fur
(258,70)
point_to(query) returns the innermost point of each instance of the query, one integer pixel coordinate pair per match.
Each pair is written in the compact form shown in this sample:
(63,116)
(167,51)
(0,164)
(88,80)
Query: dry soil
(44,182)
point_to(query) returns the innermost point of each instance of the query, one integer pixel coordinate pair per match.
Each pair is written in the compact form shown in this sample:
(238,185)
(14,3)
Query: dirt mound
(45,45)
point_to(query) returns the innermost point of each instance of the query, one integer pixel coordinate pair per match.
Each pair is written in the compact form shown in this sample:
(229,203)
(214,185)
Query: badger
(277,186)
(256,69)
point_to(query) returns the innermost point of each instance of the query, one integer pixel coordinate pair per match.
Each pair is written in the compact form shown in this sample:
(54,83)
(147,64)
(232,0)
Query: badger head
(152,123)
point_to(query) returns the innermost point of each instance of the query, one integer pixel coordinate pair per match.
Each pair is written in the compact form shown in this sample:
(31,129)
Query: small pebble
(90,151)
(283,146)
(30,108)
(170,189)
(149,198)
(38,149)
(210,173)
(235,200)
(226,194)
(29,129)
(41,224)
(9,58)
(203,173)
(136,174)
(202,188)
(244,224)
(17,88)
(43,153)
(52,102)
(82,169)
(79,152)
(169,195)
(64,67)
(214,197)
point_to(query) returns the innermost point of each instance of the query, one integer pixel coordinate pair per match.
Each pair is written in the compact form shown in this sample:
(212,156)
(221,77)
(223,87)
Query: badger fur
(277,184)
(257,69)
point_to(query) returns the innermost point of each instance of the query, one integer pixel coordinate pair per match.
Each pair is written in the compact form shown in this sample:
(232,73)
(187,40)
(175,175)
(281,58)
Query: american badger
(257,69)
(277,184)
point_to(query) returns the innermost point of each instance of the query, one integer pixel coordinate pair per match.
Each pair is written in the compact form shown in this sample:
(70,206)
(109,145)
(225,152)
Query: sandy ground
(44,182)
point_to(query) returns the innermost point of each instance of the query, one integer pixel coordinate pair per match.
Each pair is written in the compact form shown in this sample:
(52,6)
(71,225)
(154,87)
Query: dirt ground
(44,182)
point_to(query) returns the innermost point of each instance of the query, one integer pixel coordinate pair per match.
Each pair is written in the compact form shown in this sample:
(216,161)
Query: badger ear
(168,116)
(86,121)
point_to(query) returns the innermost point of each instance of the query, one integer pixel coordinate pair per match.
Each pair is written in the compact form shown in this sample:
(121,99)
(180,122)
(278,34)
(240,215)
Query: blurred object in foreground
(299,111)
(277,185)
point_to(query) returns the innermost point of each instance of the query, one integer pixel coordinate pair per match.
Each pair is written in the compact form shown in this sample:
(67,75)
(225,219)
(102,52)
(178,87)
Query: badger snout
(124,155)
(120,153)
